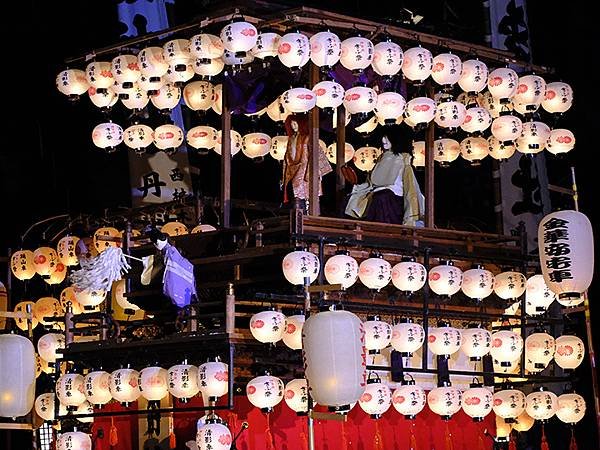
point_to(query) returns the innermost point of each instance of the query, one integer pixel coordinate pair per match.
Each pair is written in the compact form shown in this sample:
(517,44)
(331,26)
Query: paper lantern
(213,379)
(204,137)
(203,228)
(68,295)
(102,98)
(292,336)
(239,37)
(276,111)
(509,404)
(365,158)
(298,100)
(266,45)
(198,95)
(168,137)
(138,137)
(47,308)
(375,272)
(500,150)
(407,337)
(450,114)
(523,423)
(446,69)
(167,97)
(21,323)
(473,77)
(75,440)
(96,387)
(539,350)
(477,402)
(335,358)
(125,70)
(476,342)
(231,59)
(523,109)
(205,47)
(17,375)
(278,147)
(474,149)
(409,400)
(538,296)
(174,229)
(151,62)
(210,69)
(267,326)
(265,392)
(417,65)
(368,126)
(48,345)
(299,265)
(444,401)
(296,396)
(183,381)
(98,74)
(153,383)
(325,49)
(420,110)
(22,265)
(331,152)
(177,54)
(124,385)
(45,260)
(329,94)
(122,92)
(507,347)
(72,83)
(105,237)
(378,334)
(256,145)
(341,269)
(502,83)
(293,49)
(476,120)
(387,58)
(58,276)
(44,406)
(107,135)
(496,107)
(235,140)
(571,408)
(569,352)
(65,250)
(445,151)
(445,279)
(360,99)
(533,137)
(558,98)
(478,283)
(560,141)
(444,340)
(541,405)
(530,92)
(390,106)
(151,84)
(70,390)
(376,399)
(85,408)
(357,53)
(89,299)
(509,285)
(213,435)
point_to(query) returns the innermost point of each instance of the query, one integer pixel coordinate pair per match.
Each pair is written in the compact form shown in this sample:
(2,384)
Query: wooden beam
(225,158)
(313,148)
(340,141)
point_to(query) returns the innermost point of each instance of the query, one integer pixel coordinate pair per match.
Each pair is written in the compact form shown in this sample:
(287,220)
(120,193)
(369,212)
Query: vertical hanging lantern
(256,145)
(417,65)
(360,99)
(509,285)
(507,347)
(22,265)
(474,149)
(267,326)
(296,396)
(45,260)
(476,342)
(409,399)
(96,387)
(213,435)
(539,351)
(368,126)
(357,53)
(378,334)
(125,70)
(420,110)
(375,272)
(213,379)
(166,98)
(177,54)
(183,381)
(444,340)
(299,265)
(266,45)
(538,297)
(168,138)
(292,336)
(70,390)
(239,37)
(151,63)
(390,106)
(376,399)
(278,147)
(558,98)
(21,323)
(500,150)
(476,120)
(560,141)
(325,49)
(72,83)
(473,77)
(107,136)
(444,401)
(445,279)
(202,137)
(124,385)
(329,94)
(198,95)
(477,402)
(48,345)
(387,58)
(446,69)
(445,151)
(102,98)
(571,408)
(75,440)
(541,405)
(206,47)
(17,375)
(335,358)
(533,137)
(495,106)
(509,404)
(265,392)
(138,137)
(99,76)
(569,352)
(153,383)
(293,50)
(44,406)
(298,100)
(407,337)
(478,283)
(365,158)
(341,269)
(502,83)
(331,152)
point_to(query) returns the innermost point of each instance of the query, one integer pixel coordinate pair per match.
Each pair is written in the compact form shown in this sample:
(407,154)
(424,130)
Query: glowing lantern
(409,399)
(85,408)
(477,403)
(153,383)
(507,347)
(299,265)
(183,381)
(44,406)
(124,385)
(417,65)
(125,70)
(407,337)
(533,137)
(420,110)
(539,350)
(366,157)
(151,62)
(102,98)
(47,307)
(445,151)
(530,92)
(387,58)
(266,46)
(239,37)
(509,285)
(203,228)
(22,265)
(445,279)
(474,149)
(265,392)
(198,95)
(210,69)
(72,82)
(256,145)
(66,250)
(538,296)
(357,53)
(298,100)
(168,137)
(509,404)
(375,272)
(151,84)
(205,47)
(571,408)
(335,358)
(523,109)
(138,137)
(558,98)
(17,375)
(99,76)
(446,69)
(296,396)
(476,120)
(341,269)
(292,336)
(476,342)
(503,83)
(278,147)
(569,352)
(70,390)
(473,77)
(45,260)
(231,59)
(494,105)
(174,229)
(450,114)
(560,141)
(202,137)
(58,276)
(235,140)
(325,49)
(368,126)
(177,54)
(378,334)
(444,340)
(121,91)
(444,401)
(523,423)
(329,94)
(267,326)
(167,97)
(376,399)
(360,99)
(213,379)
(331,152)
(293,49)
(478,283)
(89,299)
(21,307)
(96,387)
(107,136)
(213,435)
(390,106)
(276,111)
(75,440)
(48,345)
(541,405)
(500,150)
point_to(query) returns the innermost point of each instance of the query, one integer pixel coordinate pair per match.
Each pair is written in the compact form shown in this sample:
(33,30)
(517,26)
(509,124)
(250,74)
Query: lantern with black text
(533,138)
(478,283)
(70,390)
(378,334)
(213,435)
(166,98)
(17,375)
(477,402)
(473,77)
(444,340)
(292,336)
(417,65)
(474,149)
(267,45)
(387,58)
(500,150)
(558,98)
(151,62)
(22,322)
(331,152)
(137,99)
(278,147)
(294,49)
(325,48)
(138,137)
(265,392)
(445,151)
(151,84)
(124,385)
(183,381)
(239,37)
(444,401)
(523,423)
(360,99)
(267,326)
(72,83)
(507,347)
(125,70)
(75,440)
(409,275)
(450,114)
(296,396)
(409,399)
(177,54)
(198,95)
(571,408)
(420,110)
(476,342)
(375,272)
(231,59)
(299,265)
(44,406)
(21,264)
(96,387)
(539,351)
(507,128)
(329,94)
(212,68)
(446,69)
(476,120)
(213,379)
(88,298)
(66,250)
(541,405)
(341,269)
(48,344)
(365,158)
(530,92)
(502,83)
(357,53)
(45,260)
(236,142)
(509,404)
(376,399)
(47,308)
(407,337)
(538,297)
(205,47)
(107,136)
(569,351)
(99,76)
(445,279)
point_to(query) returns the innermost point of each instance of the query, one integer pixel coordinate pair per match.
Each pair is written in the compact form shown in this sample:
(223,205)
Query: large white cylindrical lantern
(124,385)
(378,334)
(325,49)
(476,120)
(70,390)
(205,46)
(239,37)
(507,347)
(151,62)
(477,403)
(478,283)
(407,337)
(445,151)
(138,137)
(409,275)
(357,53)
(48,345)
(198,95)
(256,145)
(446,69)
(75,440)
(445,279)
(151,84)
(360,99)
(531,91)
(167,97)
(293,49)
(560,141)
(444,401)
(292,336)
(177,54)
(444,340)
(541,405)
(417,65)
(298,100)
(375,272)
(539,350)
(335,358)
(365,158)
(409,399)
(168,137)
(99,76)
(571,408)
(267,326)
(72,83)
(341,269)
(213,379)
(265,392)
(566,253)
(569,351)
(558,98)
(96,387)
(473,77)
(331,152)
(538,296)
(420,110)
(179,77)
(390,106)
(213,435)
(153,383)
(329,94)
(476,342)
(267,45)
(296,395)
(509,285)
(107,135)
(507,128)
(502,83)
(533,138)
(125,70)
(474,149)
(299,265)
(376,399)
(21,264)
(66,250)
(509,403)
(387,58)
(183,381)
(45,260)
(44,406)
(17,375)
(500,150)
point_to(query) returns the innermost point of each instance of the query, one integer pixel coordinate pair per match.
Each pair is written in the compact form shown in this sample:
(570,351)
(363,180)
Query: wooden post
(313,148)
(497,196)
(340,142)
(429,168)
(225,158)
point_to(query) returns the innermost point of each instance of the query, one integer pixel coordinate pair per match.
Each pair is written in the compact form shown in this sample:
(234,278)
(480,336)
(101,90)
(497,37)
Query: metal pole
(225,157)
(313,148)
(429,168)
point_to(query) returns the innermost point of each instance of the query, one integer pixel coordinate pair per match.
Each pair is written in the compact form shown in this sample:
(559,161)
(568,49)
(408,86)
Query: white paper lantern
(476,342)
(329,94)
(153,383)
(213,379)
(99,76)
(294,49)
(533,137)
(125,70)
(365,158)
(325,49)
(478,283)
(539,350)
(473,77)
(44,406)
(509,403)
(151,63)
(138,137)
(58,276)
(331,152)
(523,423)
(476,120)
(235,140)
(418,153)
(198,95)
(409,400)
(571,408)
(177,54)
(96,387)
(21,307)
(89,299)
(387,58)
(444,340)
(205,47)
(183,381)
(22,265)
(378,334)
(300,264)
(335,357)
(202,136)
(298,100)
(494,105)
(48,345)
(445,279)
(256,145)
(357,53)
(509,285)
(341,269)
(239,37)
(267,326)
(167,98)
(477,403)
(124,385)
(267,45)
(213,435)
(179,77)
(360,99)
(444,401)
(232,59)
(102,98)
(75,440)
(376,399)
(265,392)
(560,141)
(417,65)
(168,137)
(502,83)
(445,151)
(538,296)
(47,308)
(420,110)
(276,111)
(137,99)
(530,92)
(210,69)
(474,149)
(107,135)
(375,272)
(558,98)
(390,106)
(45,260)
(72,82)
(151,84)
(407,337)
(507,347)
(569,352)
(292,336)
(541,405)
(450,114)
(500,150)
(368,126)
(70,390)
(17,375)
(278,147)
(296,395)
(446,69)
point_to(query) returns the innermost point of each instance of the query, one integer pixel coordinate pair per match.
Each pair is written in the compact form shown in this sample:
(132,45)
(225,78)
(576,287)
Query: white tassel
(101,272)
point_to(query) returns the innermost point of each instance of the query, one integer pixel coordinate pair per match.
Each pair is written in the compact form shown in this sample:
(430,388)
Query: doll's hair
(301,120)
(400,138)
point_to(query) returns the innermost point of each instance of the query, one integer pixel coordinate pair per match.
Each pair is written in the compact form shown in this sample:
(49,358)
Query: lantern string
(270,438)
(573,444)
(512,445)
(113,438)
(413,438)
(172,438)
(449,444)
(378,441)
(544,443)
